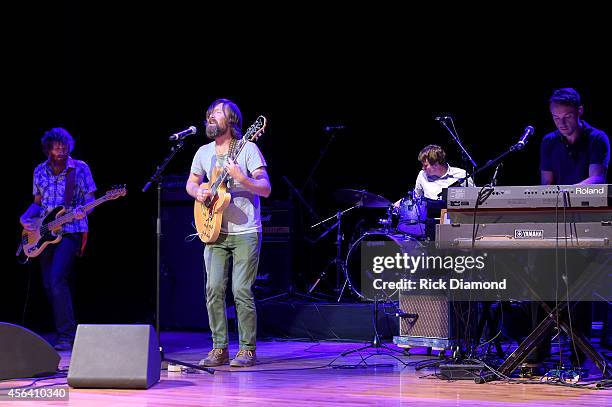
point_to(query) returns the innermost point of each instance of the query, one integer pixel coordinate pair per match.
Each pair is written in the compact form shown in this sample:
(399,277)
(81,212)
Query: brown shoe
(244,358)
(216,357)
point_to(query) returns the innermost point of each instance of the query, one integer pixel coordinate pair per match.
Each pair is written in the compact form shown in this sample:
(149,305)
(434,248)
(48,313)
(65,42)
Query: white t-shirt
(431,187)
(243,215)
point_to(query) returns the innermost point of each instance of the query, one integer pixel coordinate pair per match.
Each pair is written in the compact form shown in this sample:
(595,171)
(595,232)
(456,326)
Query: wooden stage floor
(294,373)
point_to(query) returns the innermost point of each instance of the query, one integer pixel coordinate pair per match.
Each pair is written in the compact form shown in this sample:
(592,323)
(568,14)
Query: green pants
(244,250)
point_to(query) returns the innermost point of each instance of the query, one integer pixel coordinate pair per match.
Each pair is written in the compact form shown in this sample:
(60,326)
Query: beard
(214,130)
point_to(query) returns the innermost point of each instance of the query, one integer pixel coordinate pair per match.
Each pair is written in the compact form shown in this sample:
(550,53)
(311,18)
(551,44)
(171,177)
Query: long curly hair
(56,135)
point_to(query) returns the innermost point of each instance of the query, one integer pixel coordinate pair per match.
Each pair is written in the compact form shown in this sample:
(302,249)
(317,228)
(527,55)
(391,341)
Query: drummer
(436,174)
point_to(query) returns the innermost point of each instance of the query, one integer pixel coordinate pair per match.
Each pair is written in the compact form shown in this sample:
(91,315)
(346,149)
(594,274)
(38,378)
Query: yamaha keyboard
(528,217)
(547,218)
(525,236)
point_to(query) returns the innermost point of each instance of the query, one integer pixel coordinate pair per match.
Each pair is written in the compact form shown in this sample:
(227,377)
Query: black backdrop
(123,78)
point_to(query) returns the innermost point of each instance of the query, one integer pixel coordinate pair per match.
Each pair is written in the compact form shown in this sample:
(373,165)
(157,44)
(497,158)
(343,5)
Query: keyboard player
(575,153)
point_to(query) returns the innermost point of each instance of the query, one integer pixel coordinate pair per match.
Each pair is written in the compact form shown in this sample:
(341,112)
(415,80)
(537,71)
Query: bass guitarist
(240,234)
(61,180)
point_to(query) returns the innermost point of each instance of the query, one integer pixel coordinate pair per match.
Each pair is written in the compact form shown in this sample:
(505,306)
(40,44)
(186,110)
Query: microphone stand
(310,180)
(321,155)
(464,153)
(482,196)
(490,163)
(298,195)
(157,178)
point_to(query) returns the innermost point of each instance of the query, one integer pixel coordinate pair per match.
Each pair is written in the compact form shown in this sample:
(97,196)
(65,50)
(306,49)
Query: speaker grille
(431,316)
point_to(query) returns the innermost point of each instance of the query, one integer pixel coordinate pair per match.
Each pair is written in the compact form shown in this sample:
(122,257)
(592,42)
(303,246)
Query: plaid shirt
(52,189)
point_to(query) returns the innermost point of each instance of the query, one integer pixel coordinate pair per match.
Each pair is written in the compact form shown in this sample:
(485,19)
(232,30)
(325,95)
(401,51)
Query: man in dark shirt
(575,153)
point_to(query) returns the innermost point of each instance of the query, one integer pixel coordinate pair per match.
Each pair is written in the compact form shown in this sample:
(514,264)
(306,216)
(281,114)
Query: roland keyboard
(539,196)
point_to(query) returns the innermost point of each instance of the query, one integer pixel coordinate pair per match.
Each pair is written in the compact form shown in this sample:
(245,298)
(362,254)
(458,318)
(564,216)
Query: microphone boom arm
(455,137)
(529,130)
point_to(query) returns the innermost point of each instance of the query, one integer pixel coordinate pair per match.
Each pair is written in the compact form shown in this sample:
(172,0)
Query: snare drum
(412,215)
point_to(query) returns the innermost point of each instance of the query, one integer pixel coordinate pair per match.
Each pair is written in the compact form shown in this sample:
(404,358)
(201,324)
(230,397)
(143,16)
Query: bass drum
(358,277)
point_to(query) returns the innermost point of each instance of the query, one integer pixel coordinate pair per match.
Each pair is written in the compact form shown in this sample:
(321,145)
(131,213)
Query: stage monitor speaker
(25,354)
(115,357)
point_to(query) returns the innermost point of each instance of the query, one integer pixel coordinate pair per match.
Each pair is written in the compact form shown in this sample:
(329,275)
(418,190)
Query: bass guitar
(48,229)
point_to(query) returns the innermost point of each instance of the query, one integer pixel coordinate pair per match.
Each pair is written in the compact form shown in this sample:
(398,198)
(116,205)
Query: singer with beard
(61,180)
(240,236)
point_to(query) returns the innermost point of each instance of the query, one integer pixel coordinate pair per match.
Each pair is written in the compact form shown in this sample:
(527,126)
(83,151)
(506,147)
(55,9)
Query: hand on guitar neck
(233,170)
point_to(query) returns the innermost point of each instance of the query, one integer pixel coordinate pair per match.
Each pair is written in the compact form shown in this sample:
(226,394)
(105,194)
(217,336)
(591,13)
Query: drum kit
(408,218)
(403,225)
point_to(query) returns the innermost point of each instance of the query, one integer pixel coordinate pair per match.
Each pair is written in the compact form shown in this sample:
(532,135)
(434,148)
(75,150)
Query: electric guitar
(48,228)
(208,214)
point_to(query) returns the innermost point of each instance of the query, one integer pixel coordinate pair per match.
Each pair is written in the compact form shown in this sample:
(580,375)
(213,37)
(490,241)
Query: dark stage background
(122,79)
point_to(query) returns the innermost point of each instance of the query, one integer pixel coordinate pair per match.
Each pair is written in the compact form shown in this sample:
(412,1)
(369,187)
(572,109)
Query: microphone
(494,179)
(441,118)
(332,128)
(182,134)
(525,137)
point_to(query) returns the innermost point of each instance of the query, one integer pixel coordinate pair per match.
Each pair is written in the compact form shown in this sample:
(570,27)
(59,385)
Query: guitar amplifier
(276,257)
(277,220)
(173,189)
(182,278)
(427,321)
(436,322)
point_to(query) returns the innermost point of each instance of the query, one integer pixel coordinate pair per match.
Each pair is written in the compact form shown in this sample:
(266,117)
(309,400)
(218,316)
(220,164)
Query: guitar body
(208,216)
(35,241)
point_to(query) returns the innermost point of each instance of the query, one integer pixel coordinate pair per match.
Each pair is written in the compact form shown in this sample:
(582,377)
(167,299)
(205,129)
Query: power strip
(461,371)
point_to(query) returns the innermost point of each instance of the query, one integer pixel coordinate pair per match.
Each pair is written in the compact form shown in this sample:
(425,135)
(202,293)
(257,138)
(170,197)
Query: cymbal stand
(338,260)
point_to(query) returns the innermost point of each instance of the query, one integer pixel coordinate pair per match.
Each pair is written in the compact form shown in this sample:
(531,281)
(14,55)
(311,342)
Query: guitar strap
(232,149)
(231,153)
(68,195)
(70,183)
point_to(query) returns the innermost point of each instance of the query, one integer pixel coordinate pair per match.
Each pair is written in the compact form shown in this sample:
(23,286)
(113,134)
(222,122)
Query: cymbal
(367,199)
